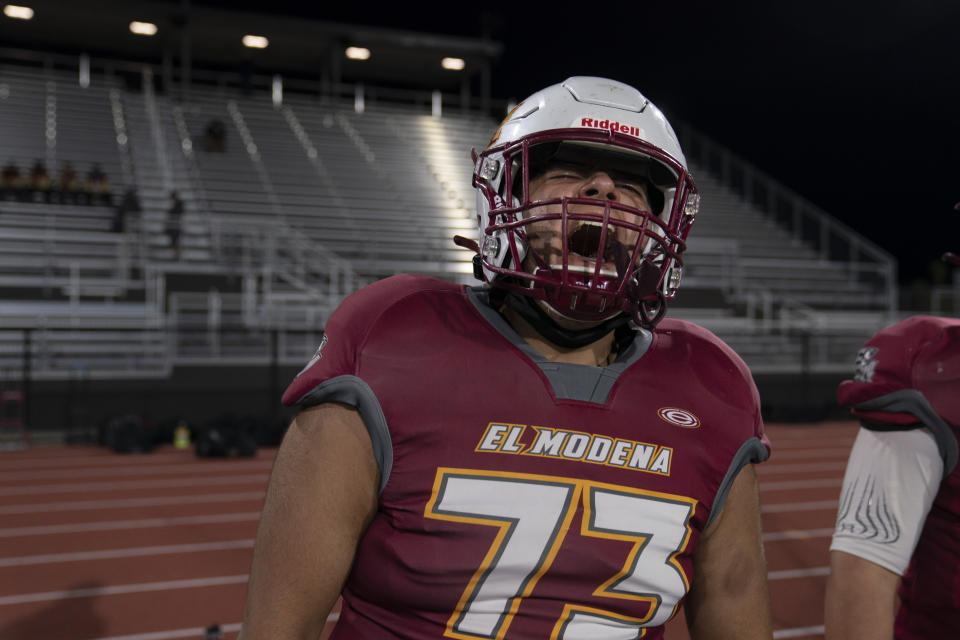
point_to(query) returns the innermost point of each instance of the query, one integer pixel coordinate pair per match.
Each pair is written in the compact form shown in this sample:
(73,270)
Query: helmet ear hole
(516,177)
(656,198)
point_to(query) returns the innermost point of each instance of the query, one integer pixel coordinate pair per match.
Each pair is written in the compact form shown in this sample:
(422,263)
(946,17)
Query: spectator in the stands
(130,204)
(11,182)
(40,183)
(174,223)
(96,187)
(215,136)
(68,184)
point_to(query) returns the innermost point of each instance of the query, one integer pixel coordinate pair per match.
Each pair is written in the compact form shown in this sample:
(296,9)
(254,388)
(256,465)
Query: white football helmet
(635,254)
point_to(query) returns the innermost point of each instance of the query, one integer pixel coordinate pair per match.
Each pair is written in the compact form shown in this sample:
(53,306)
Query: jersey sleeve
(724,375)
(728,378)
(890,483)
(337,356)
(906,377)
(754,449)
(334,373)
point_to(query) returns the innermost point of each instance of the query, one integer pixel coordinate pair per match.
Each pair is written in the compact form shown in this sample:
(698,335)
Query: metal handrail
(767,195)
(156,130)
(193,170)
(273,250)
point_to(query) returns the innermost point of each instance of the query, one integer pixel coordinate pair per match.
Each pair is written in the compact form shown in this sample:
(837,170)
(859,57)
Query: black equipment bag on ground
(128,434)
(225,437)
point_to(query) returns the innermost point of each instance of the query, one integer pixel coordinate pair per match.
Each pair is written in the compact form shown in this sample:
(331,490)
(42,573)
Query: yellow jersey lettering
(662,463)
(492,438)
(618,457)
(510,443)
(548,442)
(599,449)
(575,446)
(641,456)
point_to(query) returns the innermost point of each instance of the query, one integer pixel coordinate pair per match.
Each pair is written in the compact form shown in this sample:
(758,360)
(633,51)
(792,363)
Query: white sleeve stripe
(890,482)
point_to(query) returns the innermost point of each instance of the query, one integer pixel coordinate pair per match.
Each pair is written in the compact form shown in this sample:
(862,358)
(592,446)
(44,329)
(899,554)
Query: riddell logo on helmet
(612,126)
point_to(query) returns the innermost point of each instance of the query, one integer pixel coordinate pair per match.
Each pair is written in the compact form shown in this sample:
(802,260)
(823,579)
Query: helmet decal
(496,134)
(596,123)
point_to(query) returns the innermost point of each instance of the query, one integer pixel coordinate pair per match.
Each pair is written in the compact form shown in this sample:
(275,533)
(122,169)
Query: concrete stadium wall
(202,394)
(197,394)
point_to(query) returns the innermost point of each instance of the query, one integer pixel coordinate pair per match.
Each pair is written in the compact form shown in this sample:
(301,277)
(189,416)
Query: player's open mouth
(583,245)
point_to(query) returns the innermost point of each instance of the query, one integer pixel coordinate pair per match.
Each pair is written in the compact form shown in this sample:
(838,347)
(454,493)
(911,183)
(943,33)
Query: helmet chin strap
(528,309)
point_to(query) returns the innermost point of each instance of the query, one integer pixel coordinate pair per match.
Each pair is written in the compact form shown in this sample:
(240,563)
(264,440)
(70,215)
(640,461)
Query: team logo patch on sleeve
(679,417)
(866,364)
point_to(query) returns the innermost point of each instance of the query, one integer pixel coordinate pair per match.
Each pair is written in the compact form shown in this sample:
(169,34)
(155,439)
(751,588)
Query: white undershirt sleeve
(890,482)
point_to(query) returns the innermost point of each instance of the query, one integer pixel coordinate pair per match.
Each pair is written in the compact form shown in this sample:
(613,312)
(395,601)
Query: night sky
(851,103)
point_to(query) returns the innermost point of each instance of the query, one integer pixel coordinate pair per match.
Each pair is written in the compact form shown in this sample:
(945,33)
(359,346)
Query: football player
(542,456)
(898,524)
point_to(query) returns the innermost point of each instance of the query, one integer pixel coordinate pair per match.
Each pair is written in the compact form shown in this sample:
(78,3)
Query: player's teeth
(588,223)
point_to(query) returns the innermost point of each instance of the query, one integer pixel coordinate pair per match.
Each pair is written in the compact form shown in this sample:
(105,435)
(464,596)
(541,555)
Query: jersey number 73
(532,514)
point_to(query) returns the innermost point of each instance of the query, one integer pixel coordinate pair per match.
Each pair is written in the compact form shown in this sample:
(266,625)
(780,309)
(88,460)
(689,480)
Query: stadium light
(143,28)
(255,42)
(453,64)
(358,53)
(17,12)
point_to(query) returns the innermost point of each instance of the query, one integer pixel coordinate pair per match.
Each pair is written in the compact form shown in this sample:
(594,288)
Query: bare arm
(321,497)
(729,598)
(861,599)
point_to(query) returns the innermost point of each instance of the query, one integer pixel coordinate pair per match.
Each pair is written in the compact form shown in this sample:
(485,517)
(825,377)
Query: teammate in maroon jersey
(899,511)
(541,456)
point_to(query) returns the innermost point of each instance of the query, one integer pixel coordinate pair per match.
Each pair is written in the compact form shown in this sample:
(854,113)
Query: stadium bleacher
(310,199)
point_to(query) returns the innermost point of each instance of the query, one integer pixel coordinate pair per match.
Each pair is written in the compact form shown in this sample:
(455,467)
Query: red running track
(102,546)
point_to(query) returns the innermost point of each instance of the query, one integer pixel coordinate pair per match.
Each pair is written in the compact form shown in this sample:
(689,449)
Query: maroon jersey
(522,498)
(930,589)
(908,376)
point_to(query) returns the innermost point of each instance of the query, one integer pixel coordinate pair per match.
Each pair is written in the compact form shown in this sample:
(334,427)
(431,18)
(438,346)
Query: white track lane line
(196,632)
(83,487)
(75,459)
(805,433)
(79,527)
(805,467)
(803,443)
(174,634)
(131,552)
(790,507)
(790,574)
(120,589)
(203,582)
(793,454)
(126,503)
(797,534)
(168,469)
(799,632)
(779,485)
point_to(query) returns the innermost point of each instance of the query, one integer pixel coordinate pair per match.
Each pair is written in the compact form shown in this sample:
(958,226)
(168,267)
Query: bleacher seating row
(371,194)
